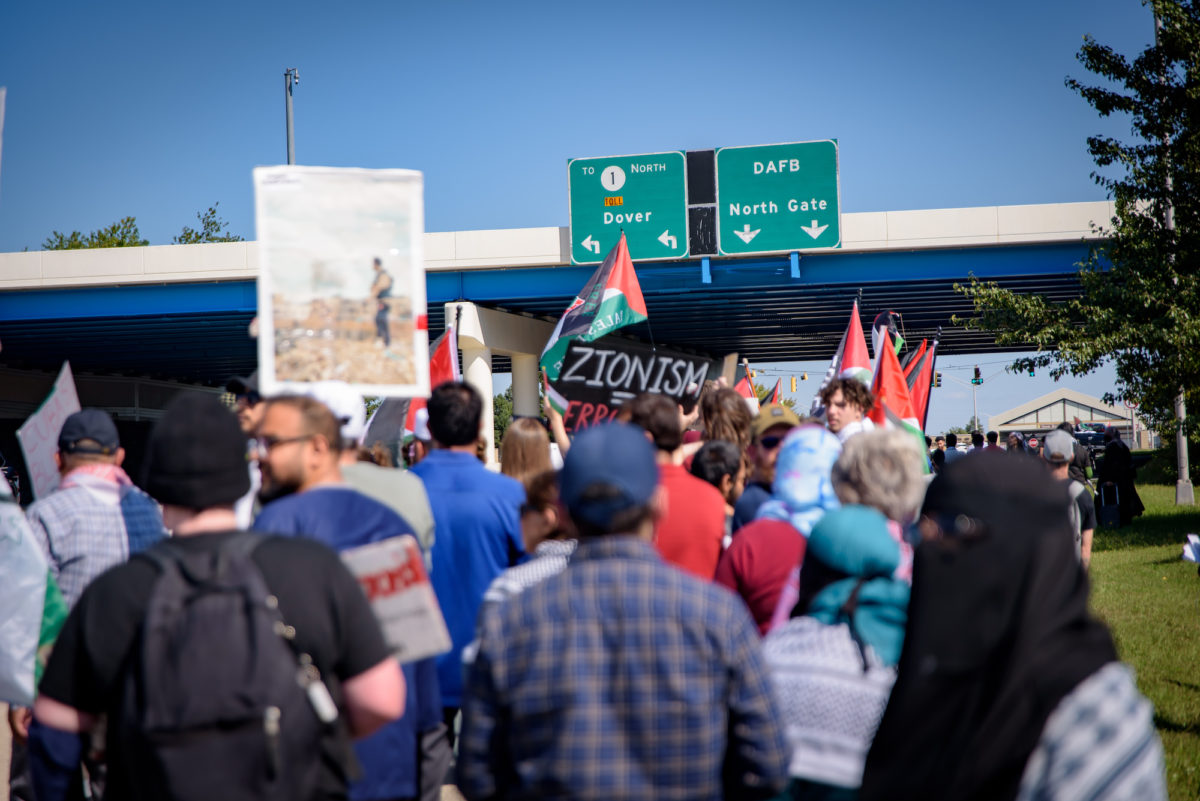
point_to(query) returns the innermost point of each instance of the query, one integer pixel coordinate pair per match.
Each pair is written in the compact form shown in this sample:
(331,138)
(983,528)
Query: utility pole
(291,77)
(1184,493)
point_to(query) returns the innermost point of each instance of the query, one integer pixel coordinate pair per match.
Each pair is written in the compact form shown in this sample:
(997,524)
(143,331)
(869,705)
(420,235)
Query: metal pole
(291,77)
(1184,493)
(975,406)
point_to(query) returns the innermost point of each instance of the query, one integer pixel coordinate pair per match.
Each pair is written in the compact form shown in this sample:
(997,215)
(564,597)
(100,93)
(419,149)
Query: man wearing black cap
(196,469)
(97,517)
(621,677)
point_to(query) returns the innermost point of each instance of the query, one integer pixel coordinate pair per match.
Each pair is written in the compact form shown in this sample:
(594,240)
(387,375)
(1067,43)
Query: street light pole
(291,77)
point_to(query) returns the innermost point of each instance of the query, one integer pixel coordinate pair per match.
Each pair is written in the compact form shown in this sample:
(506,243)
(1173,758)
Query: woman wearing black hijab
(1007,688)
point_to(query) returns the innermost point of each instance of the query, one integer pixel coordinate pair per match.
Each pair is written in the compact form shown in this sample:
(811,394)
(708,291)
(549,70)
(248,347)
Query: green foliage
(502,414)
(212,229)
(124,234)
(1140,303)
(121,234)
(1147,596)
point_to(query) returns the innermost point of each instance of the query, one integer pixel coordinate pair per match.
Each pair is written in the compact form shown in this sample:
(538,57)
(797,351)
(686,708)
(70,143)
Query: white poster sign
(341,286)
(392,575)
(39,434)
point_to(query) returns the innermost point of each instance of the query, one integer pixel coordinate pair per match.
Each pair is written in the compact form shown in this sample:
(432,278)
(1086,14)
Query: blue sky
(158,110)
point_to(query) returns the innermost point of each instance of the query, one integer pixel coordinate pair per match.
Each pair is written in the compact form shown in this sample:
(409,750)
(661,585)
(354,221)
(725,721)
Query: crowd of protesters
(701,603)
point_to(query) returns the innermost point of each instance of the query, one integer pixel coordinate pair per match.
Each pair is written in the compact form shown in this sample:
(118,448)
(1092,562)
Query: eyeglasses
(770,443)
(268,443)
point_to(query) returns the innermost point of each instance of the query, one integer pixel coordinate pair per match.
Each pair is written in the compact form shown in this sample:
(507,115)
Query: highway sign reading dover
(778,197)
(644,195)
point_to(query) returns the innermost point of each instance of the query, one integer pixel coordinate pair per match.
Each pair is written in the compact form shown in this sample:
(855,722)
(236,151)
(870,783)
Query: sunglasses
(770,443)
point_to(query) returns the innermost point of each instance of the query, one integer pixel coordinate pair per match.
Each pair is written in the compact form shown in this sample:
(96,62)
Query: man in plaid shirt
(622,677)
(97,517)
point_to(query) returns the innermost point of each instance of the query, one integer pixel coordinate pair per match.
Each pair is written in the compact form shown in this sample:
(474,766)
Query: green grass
(1150,599)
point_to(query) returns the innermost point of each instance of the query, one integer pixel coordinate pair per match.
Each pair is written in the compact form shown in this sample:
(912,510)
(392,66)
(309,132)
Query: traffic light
(937,379)
(793,384)
(978,379)
(1031,371)
(804,376)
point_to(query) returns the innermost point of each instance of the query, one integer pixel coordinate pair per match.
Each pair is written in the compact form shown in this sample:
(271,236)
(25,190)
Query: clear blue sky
(159,109)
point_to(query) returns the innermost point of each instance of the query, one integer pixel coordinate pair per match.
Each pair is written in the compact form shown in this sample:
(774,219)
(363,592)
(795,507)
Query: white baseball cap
(346,404)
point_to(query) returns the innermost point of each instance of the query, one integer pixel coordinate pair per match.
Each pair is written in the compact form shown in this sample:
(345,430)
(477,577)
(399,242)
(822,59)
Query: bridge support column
(477,371)
(525,384)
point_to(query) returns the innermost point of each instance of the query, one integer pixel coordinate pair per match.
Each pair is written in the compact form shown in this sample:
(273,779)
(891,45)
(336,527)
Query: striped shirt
(1099,744)
(85,529)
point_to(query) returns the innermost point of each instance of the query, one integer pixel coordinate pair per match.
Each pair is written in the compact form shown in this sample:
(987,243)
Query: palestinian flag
(920,382)
(850,361)
(443,367)
(611,299)
(893,405)
(908,361)
(34,609)
(886,322)
(776,395)
(746,389)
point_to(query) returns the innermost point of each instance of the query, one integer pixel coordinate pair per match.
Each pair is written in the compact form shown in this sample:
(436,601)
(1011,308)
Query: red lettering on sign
(393,580)
(584,414)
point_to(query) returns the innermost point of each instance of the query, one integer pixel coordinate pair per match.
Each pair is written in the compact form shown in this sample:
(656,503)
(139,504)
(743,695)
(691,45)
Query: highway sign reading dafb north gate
(774,198)
(645,196)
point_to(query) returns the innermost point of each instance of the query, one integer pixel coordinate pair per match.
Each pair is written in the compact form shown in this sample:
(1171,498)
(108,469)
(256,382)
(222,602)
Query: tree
(502,414)
(1140,301)
(121,234)
(212,229)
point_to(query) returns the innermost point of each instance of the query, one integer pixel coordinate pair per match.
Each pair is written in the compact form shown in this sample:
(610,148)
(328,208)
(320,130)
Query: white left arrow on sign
(594,246)
(814,230)
(666,238)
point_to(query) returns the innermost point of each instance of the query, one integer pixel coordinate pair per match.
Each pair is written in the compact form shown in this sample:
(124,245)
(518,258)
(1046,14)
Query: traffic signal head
(937,379)
(1031,372)
(793,383)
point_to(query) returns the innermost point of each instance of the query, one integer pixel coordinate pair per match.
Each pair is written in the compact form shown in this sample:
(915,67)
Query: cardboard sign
(341,286)
(392,575)
(39,434)
(598,377)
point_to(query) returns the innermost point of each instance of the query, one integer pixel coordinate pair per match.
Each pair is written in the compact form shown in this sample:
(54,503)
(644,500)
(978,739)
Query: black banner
(597,377)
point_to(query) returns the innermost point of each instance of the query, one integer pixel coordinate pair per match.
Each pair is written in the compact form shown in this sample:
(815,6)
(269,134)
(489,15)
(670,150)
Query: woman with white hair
(884,469)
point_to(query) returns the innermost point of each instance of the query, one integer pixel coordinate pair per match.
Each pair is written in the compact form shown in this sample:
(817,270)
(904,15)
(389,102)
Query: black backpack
(215,705)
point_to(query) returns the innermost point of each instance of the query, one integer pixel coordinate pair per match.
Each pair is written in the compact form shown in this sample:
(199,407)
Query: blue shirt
(620,678)
(477,527)
(343,518)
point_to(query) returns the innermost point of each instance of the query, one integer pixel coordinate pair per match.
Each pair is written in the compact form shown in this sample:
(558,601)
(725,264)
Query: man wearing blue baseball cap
(621,677)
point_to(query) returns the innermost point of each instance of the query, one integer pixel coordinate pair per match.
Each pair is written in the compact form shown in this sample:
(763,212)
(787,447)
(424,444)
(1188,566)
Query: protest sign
(392,576)
(597,377)
(341,286)
(39,434)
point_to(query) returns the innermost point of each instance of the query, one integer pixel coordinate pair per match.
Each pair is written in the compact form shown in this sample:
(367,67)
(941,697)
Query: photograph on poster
(341,289)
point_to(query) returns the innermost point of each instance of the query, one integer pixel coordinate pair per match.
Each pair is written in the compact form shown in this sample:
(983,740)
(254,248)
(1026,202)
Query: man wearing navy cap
(97,517)
(621,677)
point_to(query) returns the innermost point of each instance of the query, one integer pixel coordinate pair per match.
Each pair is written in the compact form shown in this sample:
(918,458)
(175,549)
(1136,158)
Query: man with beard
(305,495)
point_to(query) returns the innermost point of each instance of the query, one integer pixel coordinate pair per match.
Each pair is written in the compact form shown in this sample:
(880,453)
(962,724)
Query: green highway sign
(644,195)
(774,198)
